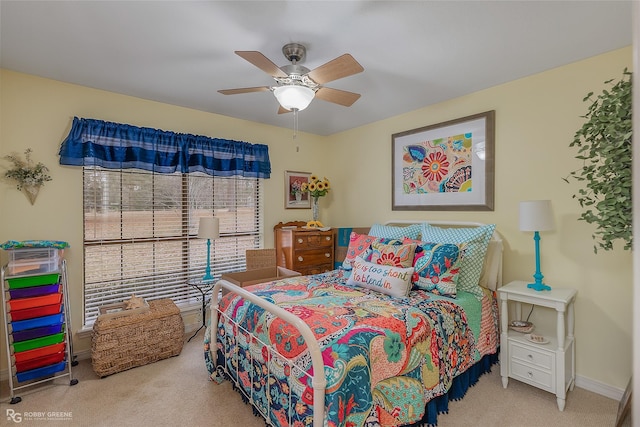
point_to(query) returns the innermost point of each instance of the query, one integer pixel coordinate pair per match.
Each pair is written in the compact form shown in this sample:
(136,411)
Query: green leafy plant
(25,172)
(604,145)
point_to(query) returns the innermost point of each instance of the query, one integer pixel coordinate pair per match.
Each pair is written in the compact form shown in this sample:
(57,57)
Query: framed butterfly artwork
(448,166)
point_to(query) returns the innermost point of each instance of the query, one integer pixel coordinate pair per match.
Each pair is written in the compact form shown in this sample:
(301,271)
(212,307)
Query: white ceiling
(414,53)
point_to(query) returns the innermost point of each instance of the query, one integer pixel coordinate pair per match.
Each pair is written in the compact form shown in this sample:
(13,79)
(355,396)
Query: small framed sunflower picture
(446,166)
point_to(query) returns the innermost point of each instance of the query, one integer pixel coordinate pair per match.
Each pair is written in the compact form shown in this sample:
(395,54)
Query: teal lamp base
(207,273)
(537,285)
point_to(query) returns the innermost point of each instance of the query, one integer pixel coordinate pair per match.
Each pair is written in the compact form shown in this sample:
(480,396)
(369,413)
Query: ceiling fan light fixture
(294,97)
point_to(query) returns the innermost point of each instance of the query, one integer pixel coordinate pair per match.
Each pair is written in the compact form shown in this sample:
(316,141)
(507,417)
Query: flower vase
(31,191)
(314,207)
(298,197)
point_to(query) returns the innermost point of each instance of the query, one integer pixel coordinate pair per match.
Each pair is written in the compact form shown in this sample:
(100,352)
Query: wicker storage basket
(260,258)
(123,342)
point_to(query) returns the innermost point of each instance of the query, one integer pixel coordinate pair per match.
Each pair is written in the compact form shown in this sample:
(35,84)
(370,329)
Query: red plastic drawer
(38,362)
(30,313)
(39,352)
(25,303)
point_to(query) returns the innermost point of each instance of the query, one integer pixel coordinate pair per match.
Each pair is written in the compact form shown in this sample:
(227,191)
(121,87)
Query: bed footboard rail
(318,380)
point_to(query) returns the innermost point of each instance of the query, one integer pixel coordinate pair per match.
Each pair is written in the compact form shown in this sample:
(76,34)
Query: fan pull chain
(295,123)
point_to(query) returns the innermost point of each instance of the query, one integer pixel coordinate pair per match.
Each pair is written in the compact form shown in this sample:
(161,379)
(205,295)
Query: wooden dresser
(302,250)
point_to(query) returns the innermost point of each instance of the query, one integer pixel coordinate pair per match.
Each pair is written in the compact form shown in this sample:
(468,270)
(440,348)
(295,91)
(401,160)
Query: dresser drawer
(309,257)
(532,356)
(312,240)
(534,376)
(315,269)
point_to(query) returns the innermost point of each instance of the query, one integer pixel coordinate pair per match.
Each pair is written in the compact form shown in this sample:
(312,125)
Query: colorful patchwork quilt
(384,356)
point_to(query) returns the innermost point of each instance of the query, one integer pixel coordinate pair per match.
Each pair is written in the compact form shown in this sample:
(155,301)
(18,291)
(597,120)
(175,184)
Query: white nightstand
(550,366)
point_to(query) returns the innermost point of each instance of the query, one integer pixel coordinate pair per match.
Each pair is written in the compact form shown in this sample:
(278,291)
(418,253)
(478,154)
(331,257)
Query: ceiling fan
(297,85)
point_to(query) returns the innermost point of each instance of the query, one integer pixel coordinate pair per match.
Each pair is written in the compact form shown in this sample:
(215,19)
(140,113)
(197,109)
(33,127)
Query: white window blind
(140,233)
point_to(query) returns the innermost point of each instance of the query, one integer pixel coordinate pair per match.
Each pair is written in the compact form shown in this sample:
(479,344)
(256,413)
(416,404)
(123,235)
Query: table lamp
(536,216)
(209,229)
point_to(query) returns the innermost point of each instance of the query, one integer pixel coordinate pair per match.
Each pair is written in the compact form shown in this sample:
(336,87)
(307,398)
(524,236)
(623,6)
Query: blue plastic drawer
(37,322)
(29,334)
(40,372)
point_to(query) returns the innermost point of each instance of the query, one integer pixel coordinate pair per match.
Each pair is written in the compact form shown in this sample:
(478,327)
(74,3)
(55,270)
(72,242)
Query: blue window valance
(118,146)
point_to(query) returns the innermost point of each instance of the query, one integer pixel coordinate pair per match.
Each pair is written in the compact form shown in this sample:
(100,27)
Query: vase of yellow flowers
(317,188)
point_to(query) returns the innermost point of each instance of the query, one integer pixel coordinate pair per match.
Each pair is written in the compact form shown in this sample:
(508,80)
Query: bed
(348,347)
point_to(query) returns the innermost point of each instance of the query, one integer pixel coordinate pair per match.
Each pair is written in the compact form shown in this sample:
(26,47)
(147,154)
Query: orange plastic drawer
(25,303)
(30,313)
(39,352)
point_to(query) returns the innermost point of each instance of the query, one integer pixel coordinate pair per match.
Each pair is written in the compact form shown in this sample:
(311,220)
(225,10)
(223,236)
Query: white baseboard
(597,387)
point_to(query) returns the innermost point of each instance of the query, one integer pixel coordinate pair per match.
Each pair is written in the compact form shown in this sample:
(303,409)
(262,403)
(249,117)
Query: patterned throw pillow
(359,245)
(391,232)
(437,267)
(477,240)
(394,281)
(397,255)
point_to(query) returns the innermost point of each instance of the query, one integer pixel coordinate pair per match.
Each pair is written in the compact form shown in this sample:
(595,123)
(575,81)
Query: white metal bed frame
(492,276)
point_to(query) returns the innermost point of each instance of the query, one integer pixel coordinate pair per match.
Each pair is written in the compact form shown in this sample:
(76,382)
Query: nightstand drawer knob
(300,240)
(300,259)
(328,238)
(328,255)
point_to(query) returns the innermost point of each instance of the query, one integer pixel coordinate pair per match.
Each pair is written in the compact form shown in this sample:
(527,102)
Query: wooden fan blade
(335,69)
(337,96)
(262,62)
(282,110)
(244,90)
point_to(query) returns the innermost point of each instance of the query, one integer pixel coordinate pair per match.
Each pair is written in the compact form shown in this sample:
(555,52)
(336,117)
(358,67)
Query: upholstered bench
(122,341)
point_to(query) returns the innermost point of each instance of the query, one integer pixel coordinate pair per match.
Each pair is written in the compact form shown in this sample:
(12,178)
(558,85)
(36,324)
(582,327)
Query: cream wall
(536,118)
(535,121)
(37,113)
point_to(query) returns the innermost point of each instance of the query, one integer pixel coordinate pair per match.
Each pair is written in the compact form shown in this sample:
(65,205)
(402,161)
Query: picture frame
(433,166)
(293,199)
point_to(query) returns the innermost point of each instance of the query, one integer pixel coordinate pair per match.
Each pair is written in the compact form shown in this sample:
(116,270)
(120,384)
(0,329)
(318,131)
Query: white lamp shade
(536,215)
(294,97)
(209,228)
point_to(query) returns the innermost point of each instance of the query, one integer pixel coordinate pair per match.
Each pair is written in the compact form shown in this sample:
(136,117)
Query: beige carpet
(176,392)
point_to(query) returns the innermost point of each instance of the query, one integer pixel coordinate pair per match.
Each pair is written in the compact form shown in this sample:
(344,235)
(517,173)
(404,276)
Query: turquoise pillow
(477,240)
(392,232)
(437,267)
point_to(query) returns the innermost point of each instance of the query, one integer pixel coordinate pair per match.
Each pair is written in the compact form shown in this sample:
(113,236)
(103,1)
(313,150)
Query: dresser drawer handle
(327,254)
(300,259)
(530,374)
(300,240)
(530,356)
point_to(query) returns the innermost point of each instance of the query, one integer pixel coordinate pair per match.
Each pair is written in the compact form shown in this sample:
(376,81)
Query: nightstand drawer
(312,240)
(526,354)
(534,376)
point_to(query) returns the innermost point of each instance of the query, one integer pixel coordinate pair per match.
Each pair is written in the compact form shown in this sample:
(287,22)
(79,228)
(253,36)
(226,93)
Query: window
(140,232)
